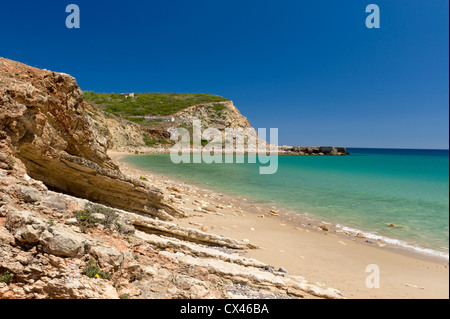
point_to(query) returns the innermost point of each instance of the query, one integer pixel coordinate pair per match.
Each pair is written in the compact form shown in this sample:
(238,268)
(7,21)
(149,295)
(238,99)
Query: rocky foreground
(73,226)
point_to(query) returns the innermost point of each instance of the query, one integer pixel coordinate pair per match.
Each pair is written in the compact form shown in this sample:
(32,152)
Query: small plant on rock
(92,270)
(94,215)
(6,277)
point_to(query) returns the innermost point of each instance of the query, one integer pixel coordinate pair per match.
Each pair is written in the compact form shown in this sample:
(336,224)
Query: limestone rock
(107,256)
(60,242)
(5,237)
(44,118)
(25,227)
(173,230)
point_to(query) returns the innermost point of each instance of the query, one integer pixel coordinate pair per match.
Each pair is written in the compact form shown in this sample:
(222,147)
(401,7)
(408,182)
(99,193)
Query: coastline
(334,258)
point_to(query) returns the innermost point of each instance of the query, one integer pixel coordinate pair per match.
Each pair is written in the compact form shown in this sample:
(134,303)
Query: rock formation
(43,120)
(312,150)
(55,242)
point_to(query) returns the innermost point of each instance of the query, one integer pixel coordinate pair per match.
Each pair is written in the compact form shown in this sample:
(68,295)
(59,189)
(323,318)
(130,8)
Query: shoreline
(299,219)
(336,258)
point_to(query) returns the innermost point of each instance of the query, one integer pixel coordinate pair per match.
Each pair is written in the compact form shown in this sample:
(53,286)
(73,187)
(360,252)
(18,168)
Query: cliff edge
(43,121)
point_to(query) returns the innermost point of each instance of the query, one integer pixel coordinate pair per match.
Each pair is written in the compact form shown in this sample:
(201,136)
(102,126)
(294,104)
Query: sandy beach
(331,258)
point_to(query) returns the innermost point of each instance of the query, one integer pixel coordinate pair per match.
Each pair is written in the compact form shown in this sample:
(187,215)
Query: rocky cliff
(43,121)
(124,135)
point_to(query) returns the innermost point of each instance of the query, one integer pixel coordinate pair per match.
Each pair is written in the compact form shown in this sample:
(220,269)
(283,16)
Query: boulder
(60,242)
(25,227)
(107,256)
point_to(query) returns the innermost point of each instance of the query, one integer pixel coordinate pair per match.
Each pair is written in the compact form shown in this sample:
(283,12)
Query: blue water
(367,190)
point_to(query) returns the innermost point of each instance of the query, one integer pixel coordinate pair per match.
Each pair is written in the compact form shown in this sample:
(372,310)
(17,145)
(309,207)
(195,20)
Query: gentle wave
(398,242)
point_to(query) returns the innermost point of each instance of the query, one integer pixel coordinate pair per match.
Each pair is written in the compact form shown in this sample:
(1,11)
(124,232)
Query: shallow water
(367,190)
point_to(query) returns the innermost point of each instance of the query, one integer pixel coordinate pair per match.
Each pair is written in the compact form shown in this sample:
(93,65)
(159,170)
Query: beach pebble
(71,221)
(209,209)
(283,270)
(195,224)
(324,227)
(360,235)
(273,213)
(269,268)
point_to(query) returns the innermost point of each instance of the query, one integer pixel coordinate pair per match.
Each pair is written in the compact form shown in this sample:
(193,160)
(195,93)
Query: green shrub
(86,218)
(92,270)
(219,107)
(6,277)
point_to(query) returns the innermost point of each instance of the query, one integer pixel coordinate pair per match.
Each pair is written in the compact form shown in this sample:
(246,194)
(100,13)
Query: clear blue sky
(310,68)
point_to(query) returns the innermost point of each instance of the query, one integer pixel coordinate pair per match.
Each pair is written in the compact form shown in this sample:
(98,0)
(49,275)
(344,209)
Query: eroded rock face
(43,120)
(220,115)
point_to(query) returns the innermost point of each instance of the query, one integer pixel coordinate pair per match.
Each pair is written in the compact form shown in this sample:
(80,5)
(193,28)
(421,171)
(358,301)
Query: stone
(25,227)
(324,227)
(60,242)
(269,268)
(107,256)
(5,237)
(71,221)
(28,194)
(99,216)
(282,270)
(273,213)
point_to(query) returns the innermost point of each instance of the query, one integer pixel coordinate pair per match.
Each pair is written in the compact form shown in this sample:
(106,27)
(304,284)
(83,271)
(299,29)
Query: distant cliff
(150,132)
(129,132)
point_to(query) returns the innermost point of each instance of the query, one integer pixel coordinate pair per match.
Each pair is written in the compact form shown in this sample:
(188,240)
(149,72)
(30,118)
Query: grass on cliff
(89,217)
(148,103)
(6,277)
(92,270)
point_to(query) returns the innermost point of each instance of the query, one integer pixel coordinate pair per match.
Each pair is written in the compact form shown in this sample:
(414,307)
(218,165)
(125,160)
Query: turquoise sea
(364,191)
